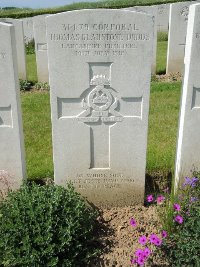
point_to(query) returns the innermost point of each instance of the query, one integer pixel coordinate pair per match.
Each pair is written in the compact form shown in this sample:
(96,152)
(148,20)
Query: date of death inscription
(101,180)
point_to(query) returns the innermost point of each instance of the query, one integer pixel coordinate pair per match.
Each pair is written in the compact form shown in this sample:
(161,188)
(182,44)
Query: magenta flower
(140,261)
(177,207)
(153,238)
(146,252)
(164,234)
(143,240)
(133,261)
(149,198)
(158,242)
(139,253)
(179,219)
(133,222)
(160,199)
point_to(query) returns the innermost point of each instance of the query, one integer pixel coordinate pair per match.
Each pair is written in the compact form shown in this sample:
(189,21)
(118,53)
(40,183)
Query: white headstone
(39,30)
(11,135)
(162,17)
(188,148)
(28,29)
(150,10)
(100,71)
(177,36)
(21,52)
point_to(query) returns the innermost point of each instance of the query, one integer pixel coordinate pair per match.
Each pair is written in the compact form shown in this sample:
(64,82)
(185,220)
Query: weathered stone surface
(152,11)
(188,147)
(28,29)
(20,46)
(177,35)
(100,70)
(12,160)
(162,17)
(39,31)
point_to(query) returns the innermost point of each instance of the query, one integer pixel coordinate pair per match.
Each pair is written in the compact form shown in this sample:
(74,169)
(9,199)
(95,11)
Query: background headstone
(188,148)
(20,46)
(100,71)
(28,29)
(39,30)
(177,36)
(150,10)
(162,17)
(12,159)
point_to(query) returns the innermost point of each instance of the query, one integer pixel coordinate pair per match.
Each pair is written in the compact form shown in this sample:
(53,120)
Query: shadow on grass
(161,72)
(158,181)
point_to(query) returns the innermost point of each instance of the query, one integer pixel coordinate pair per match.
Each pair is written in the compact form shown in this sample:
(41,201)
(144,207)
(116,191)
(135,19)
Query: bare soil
(118,240)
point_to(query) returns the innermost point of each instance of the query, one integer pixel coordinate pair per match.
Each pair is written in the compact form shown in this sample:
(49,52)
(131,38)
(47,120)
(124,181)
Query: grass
(31,68)
(163,126)
(161,57)
(37,133)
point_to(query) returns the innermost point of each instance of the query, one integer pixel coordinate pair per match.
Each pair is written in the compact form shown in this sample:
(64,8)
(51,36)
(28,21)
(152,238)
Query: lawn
(163,123)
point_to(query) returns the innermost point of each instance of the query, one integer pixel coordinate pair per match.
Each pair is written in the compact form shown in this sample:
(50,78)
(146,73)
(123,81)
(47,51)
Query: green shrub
(25,85)
(30,47)
(46,226)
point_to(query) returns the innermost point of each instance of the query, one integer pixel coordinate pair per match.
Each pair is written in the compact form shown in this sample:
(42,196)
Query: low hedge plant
(46,226)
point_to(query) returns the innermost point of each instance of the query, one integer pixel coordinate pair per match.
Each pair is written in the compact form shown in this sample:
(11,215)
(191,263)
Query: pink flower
(143,240)
(139,253)
(179,219)
(133,222)
(177,207)
(160,199)
(133,261)
(147,252)
(149,198)
(164,234)
(140,261)
(153,238)
(158,242)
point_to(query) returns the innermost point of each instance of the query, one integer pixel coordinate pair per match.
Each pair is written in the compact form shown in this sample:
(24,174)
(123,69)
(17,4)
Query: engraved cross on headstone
(183,44)
(100,111)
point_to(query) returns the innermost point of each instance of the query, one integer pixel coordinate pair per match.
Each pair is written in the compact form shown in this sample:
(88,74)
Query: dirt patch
(171,77)
(118,240)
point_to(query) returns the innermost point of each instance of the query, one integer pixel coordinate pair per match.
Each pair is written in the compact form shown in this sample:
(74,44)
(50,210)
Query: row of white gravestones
(28,29)
(12,159)
(162,17)
(152,11)
(188,147)
(21,53)
(100,71)
(178,19)
(39,32)
(159,12)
